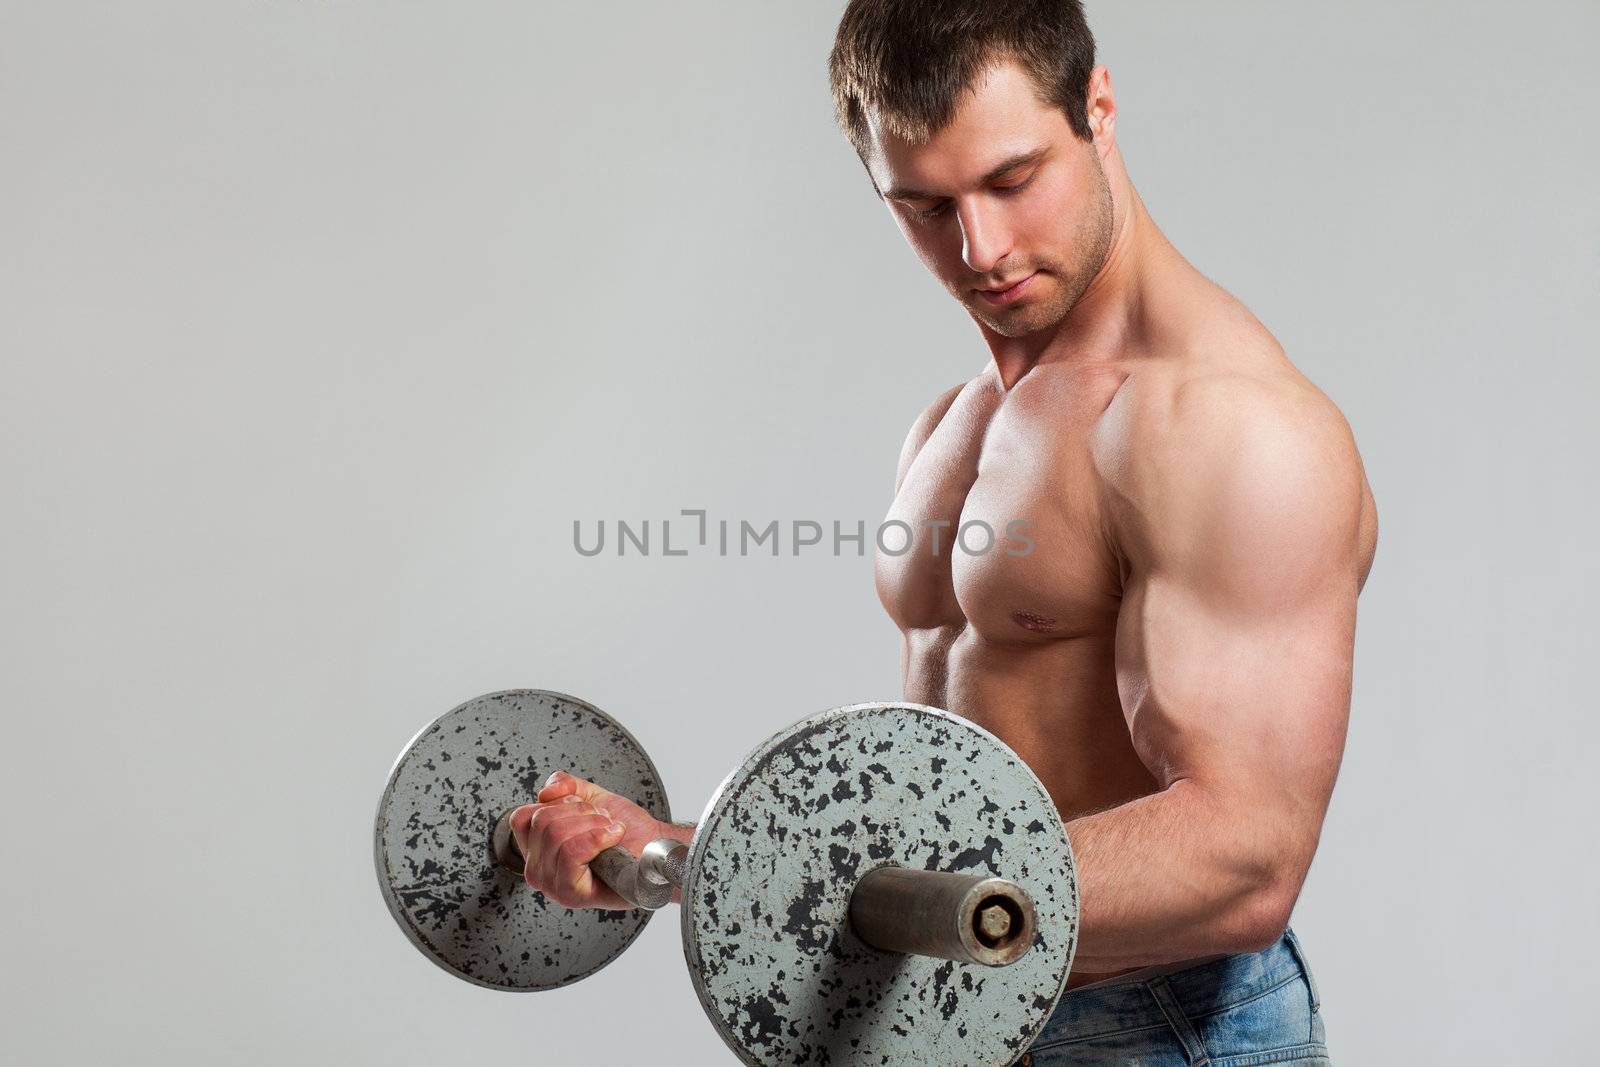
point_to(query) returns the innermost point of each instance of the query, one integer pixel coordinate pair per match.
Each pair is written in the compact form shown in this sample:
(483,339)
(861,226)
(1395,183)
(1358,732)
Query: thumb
(561,784)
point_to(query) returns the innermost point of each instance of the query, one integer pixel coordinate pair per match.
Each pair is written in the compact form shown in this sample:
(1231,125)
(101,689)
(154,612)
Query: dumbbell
(877,883)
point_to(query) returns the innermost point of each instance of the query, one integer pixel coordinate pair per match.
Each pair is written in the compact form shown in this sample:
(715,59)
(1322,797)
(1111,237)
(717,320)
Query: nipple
(1029,621)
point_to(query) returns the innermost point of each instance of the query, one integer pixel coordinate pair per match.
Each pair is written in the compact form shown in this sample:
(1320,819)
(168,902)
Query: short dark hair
(911,60)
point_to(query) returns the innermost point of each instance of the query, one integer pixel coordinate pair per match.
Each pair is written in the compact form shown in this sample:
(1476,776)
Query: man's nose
(985,238)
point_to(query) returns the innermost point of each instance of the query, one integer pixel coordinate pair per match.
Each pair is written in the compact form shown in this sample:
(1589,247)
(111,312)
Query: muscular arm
(1238,516)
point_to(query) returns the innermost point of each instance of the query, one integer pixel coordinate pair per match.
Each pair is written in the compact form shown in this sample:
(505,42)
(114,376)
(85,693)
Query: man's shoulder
(1227,385)
(1226,408)
(1248,432)
(935,412)
(925,423)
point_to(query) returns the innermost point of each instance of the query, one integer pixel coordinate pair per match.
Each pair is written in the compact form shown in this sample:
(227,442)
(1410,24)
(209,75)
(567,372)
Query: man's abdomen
(1055,704)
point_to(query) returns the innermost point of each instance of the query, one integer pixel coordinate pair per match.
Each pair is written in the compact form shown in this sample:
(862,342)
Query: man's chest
(999,521)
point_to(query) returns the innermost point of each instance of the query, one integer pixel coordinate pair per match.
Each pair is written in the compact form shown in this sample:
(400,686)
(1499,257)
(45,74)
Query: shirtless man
(1173,655)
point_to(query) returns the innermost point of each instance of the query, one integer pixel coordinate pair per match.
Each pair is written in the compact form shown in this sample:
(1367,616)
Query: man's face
(1009,210)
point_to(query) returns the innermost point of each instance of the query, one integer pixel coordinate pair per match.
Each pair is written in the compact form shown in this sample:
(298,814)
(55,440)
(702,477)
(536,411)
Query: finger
(552,829)
(520,819)
(526,820)
(561,784)
(573,874)
(544,863)
(531,821)
(556,786)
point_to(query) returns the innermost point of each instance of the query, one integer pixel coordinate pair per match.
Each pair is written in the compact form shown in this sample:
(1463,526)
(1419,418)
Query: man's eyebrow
(901,192)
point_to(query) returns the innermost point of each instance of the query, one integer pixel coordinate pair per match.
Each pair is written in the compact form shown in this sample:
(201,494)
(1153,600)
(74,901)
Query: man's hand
(573,823)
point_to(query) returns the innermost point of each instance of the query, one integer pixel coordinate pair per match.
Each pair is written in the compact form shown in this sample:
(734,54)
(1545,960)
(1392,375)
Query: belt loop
(1300,958)
(1193,1048)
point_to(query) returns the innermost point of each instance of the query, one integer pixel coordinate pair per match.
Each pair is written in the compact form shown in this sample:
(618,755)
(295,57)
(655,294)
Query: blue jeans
(1240,1011)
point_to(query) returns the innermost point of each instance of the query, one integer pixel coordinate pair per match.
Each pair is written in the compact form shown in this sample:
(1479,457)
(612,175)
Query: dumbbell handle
(970,918)
(646,882)
(964,917)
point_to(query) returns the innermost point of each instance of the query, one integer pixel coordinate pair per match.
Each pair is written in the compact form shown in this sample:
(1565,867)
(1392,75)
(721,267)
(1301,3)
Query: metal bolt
(994,922)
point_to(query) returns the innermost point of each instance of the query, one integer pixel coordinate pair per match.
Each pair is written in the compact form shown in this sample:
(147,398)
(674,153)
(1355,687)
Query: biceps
(1251,704)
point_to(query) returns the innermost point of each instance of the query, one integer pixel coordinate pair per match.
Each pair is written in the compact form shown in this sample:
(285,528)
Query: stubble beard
(1092,243)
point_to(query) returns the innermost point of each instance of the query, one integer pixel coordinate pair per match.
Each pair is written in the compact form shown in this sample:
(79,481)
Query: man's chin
(1018,322)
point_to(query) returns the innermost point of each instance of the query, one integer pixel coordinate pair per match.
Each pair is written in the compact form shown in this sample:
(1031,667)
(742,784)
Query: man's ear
(1102,109)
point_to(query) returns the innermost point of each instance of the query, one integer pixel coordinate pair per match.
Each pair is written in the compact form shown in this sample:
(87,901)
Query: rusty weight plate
(781,845)
(432,837)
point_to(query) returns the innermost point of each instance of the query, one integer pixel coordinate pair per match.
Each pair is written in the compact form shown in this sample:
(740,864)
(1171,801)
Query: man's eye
(933,212)
(1014,186)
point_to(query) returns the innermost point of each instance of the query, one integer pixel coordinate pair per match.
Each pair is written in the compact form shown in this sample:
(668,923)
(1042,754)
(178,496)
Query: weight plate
(766,900)
(431,841)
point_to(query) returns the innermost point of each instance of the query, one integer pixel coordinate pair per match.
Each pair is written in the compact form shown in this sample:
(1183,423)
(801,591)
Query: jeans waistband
(1200,990)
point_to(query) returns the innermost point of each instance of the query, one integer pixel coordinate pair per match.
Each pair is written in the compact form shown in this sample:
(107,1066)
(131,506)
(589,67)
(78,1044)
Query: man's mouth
(1007,293)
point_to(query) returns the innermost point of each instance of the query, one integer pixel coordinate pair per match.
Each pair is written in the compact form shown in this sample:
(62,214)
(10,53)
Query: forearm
(1171,876)
(1166,877)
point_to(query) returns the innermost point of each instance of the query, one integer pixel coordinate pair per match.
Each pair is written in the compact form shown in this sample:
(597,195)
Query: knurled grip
(646,882)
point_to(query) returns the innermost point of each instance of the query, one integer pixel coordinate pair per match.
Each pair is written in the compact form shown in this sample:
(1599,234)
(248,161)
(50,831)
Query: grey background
(322,320)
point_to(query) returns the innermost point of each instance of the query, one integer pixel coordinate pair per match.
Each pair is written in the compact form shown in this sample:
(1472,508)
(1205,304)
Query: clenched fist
(573,822)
